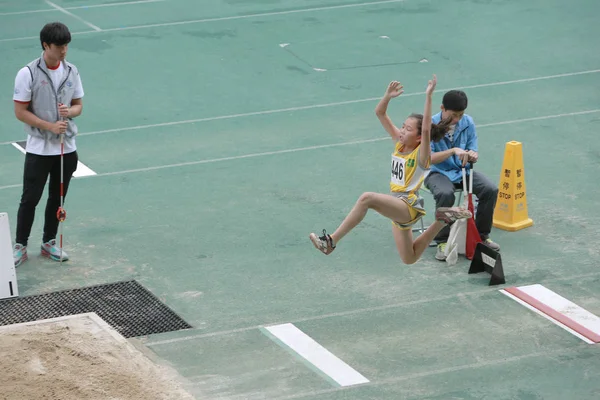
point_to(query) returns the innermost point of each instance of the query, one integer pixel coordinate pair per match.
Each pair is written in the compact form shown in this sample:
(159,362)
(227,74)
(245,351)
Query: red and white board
(559,310)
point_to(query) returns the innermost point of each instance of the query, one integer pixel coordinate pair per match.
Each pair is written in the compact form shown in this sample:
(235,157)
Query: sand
(79,358)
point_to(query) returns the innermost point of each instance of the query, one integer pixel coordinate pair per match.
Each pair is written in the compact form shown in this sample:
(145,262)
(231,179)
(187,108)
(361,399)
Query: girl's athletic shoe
(450,214)
(322,243)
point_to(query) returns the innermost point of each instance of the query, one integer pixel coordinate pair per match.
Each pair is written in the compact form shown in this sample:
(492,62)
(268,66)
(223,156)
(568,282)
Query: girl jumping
(411,161)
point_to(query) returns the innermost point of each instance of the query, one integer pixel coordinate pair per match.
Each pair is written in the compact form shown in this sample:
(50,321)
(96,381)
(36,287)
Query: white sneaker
(19,254)
(52,251)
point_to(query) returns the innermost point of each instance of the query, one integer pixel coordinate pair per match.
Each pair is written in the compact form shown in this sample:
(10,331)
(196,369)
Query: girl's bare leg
(410,251)
(396,210)
(386,205)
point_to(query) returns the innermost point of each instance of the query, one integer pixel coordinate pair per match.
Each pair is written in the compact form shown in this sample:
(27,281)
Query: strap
(471,180)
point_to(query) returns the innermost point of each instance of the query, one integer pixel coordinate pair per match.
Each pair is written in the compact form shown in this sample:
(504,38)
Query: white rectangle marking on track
(316,354)
(16,146)
(82,169)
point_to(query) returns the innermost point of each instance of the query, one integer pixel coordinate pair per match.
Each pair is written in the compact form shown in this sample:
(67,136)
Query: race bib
(398,170)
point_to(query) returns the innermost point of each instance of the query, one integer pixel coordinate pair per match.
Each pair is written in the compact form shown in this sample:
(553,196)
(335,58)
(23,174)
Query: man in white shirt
(48,95)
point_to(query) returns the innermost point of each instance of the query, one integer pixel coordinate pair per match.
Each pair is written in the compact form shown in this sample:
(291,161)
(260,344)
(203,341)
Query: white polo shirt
(22,94)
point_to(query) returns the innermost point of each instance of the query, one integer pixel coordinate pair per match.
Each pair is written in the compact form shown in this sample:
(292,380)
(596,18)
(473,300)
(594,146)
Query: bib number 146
(398,171)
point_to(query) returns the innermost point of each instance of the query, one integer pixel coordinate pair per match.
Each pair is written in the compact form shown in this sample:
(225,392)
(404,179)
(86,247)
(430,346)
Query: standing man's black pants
(36,171)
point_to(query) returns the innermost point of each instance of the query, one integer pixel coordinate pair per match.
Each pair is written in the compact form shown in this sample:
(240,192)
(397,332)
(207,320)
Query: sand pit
(79,357)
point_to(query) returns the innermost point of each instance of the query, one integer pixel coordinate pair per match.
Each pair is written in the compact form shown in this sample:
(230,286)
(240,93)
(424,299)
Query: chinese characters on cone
(510,213)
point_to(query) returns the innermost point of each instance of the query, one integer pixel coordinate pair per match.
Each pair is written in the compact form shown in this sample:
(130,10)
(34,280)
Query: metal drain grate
(126,306)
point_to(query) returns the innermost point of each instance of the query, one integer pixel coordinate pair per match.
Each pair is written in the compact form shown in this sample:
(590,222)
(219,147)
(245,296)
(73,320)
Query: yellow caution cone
(510,213)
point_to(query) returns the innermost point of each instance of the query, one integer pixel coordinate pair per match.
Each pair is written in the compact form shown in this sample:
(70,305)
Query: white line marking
(81,7)
(297,149)
(323,146)
(94,27)
(432,372)
(363,310)
(198,21)
(300,108)
(535,310)
(317,355)
(267,153)
(514,121)
(267,14)
(33,37)
(11,186)
(82,169)
(16,146)
(340,103)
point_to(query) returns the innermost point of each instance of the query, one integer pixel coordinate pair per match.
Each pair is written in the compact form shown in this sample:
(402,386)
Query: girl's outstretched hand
(394,89)
(431,85)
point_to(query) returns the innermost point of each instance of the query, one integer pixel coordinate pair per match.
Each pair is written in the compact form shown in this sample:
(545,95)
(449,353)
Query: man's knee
(441,188)
(28,203)
(31,196)
(488,192)
(444,197)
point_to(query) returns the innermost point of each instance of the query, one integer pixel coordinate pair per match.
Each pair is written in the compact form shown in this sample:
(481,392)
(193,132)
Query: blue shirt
(464,137)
